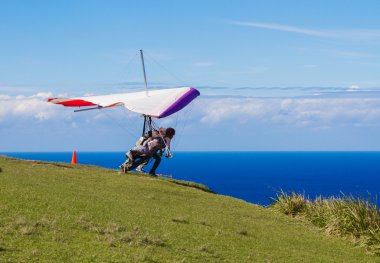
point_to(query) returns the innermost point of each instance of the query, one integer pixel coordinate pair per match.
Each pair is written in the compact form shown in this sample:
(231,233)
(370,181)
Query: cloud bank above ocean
(23,119)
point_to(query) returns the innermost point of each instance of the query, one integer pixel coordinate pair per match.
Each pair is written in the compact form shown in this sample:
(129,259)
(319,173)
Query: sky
(273,75)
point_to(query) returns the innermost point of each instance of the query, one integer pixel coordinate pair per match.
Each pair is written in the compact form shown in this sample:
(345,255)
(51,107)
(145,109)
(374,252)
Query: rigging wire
(156,127)
(187,111)
(130,61)
(176,121)
(117,123)
(169,72)
(186,118)
(134,121)
(126,67)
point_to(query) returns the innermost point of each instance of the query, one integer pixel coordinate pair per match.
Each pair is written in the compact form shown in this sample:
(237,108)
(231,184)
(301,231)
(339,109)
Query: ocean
(256,176)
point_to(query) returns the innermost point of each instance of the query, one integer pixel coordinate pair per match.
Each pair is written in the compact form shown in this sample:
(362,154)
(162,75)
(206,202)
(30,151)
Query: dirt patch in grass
(180,220)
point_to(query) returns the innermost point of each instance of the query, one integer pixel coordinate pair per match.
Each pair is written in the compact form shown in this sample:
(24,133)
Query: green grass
(347,216)
(55,212)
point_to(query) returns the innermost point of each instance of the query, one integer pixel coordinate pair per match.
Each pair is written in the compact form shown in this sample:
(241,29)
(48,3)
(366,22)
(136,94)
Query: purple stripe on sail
(181,102)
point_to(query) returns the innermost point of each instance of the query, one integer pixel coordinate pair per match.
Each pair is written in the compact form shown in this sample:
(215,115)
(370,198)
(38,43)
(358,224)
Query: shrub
(345,216)
(293,204)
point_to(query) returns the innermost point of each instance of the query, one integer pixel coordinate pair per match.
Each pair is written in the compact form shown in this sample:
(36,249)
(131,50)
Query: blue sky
(274,75)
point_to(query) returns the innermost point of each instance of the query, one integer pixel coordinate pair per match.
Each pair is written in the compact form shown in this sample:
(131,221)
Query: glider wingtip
(182,102)
(195,91)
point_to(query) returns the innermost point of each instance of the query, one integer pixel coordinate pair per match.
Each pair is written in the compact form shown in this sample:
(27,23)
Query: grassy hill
(56,212)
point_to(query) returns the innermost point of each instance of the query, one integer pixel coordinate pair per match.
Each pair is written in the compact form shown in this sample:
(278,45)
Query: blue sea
(256,176)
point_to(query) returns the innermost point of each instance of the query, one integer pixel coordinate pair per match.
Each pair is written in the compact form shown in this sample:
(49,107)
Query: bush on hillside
(345,216)
(290,204)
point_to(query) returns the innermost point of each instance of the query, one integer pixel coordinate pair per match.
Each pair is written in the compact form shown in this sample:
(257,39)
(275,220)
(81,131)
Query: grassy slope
(57,212)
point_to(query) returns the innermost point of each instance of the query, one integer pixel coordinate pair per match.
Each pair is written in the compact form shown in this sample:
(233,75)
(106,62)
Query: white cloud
(302,112)
(285,28)
(33,107)
(351,34)
(34,114)
(4,97)
(43,95)
(353,88)
(311,112)
(24,120)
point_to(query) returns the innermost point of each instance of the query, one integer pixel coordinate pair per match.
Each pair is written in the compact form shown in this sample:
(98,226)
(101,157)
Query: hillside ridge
(70,213)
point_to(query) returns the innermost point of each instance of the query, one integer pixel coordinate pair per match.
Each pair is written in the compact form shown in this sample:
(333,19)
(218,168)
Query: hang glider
(155,104)
(149,103)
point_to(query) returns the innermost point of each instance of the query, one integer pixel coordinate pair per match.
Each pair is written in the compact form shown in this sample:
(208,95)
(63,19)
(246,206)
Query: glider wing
(158,103)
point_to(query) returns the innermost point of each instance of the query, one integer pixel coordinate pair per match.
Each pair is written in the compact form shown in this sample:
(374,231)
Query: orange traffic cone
(74,158)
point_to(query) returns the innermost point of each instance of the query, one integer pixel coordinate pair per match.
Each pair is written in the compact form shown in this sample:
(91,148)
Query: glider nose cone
(53,100)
